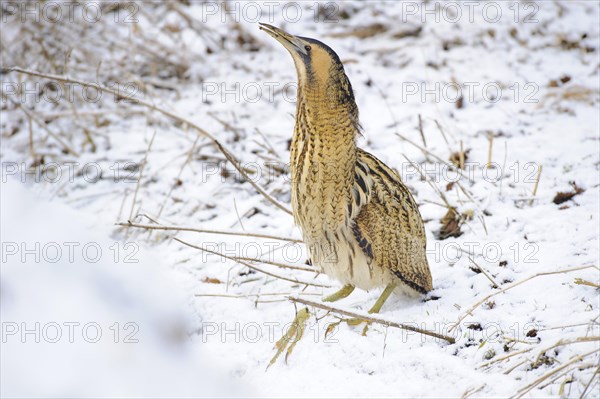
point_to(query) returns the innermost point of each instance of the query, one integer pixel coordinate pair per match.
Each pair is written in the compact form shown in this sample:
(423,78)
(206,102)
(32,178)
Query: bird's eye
(307,47)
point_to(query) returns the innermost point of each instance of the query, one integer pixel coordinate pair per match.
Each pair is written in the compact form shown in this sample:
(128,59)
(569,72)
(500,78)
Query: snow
(206,325)
(87,319)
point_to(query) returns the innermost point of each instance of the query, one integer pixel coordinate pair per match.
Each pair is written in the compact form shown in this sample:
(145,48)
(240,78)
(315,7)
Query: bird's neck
(325,110)
(323,158)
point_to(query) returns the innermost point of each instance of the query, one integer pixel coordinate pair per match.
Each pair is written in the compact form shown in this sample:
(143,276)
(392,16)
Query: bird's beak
(288,41)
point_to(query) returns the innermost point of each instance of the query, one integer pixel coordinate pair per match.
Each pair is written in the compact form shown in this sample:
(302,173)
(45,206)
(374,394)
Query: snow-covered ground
(517,288)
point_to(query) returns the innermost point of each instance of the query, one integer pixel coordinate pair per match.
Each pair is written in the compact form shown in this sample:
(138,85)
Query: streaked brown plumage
(360,222)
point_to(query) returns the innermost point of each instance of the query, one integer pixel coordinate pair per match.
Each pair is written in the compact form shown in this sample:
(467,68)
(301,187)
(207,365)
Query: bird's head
(319,68)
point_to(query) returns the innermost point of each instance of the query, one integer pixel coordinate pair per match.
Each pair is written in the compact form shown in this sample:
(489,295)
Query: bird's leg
(341,294)
(375,308)
(382,298)
(291,337)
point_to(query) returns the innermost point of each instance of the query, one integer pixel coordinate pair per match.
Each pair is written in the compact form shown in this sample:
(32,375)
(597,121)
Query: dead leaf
(451,223)
(564,196)
(455,157)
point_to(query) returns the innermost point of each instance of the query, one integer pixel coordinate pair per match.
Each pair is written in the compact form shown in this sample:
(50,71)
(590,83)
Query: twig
(256,297)
(495,285)
(372,319)
(182,228)
(255,268)
(99,112)
(119,95)
(257,294)
(278,264)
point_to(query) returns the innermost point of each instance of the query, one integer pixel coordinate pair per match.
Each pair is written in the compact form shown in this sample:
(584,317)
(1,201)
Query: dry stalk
(544,350)
(499,359)
(504,163)
(248,265)
(461,157)
(566,326)
(208,231)
(268,262)
(516,366)
(485,273)
(570,342)
(567,371)
(535,187)
(256,298)
(370,318)
(421,131)
(581,281)
(278,264)
(589,383)
(549,374)
(423,137)
(472,391)
(491,142)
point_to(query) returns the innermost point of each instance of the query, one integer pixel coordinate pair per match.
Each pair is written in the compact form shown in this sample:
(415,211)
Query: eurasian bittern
(359,221)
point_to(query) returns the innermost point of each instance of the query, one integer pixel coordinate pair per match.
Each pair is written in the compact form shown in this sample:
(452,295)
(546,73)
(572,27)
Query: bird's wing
(387,224)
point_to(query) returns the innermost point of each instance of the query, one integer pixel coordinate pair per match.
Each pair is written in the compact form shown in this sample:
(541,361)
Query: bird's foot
(374,309)
(341,294)
(292,336)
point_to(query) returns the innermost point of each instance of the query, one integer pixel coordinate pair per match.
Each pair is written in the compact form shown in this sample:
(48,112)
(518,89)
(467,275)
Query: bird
(360,222)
